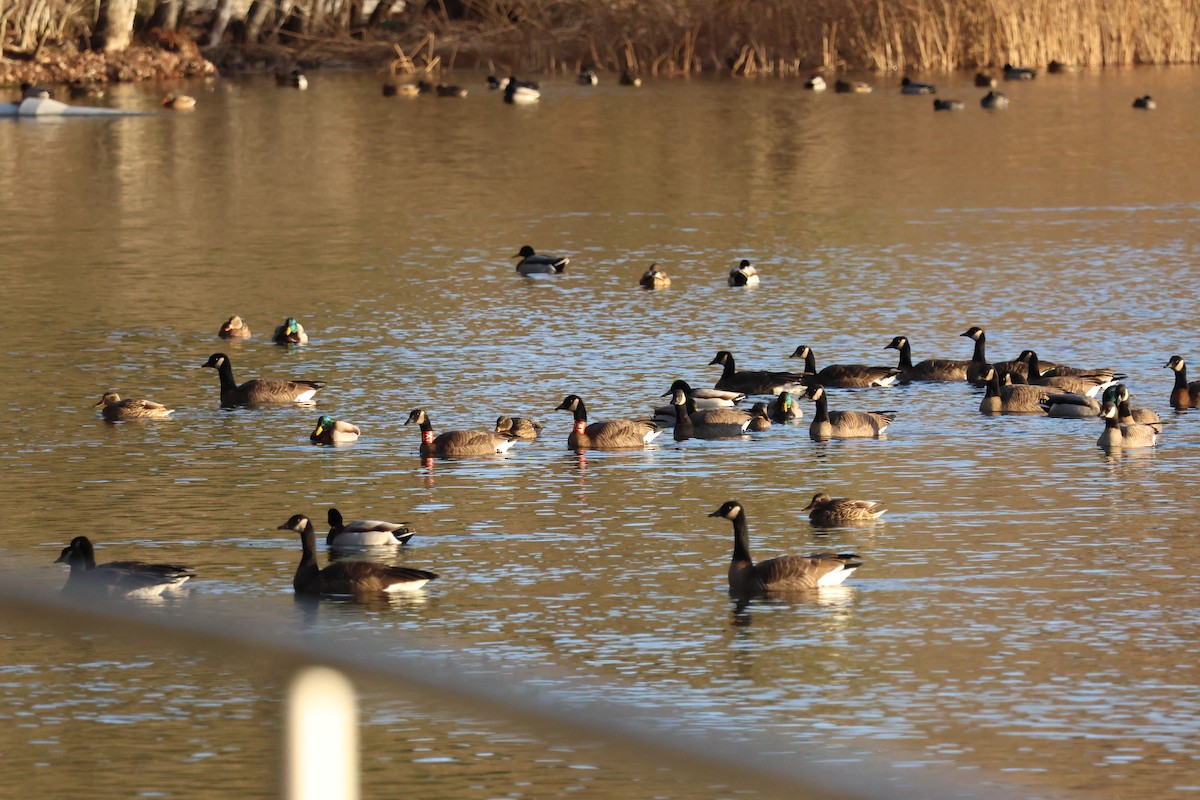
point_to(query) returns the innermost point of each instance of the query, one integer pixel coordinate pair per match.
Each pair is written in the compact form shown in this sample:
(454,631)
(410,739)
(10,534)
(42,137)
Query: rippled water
(1028,607)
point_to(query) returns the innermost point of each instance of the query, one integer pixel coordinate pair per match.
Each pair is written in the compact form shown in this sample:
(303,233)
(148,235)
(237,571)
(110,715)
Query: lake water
(1026,619)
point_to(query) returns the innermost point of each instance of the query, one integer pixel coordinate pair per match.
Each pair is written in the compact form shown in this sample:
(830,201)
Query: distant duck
(424,87)
(347,577)
(709,423)
(1183,394)
(782,574)
(909,86)
(444,90)
(1145,102)
(518,427)
(458,443)
(982,79)
(753,381)
(1012,73)
(81,89)
(32,92)
(117,579)
(1117,434)
(828,424)
(760,420)
(816,83)
(255,392)
(290,332)
(365,532)
(533,264)
(949,105)
(520,94)
(234,328)
(994,100)
(1016,399)
(844,376)
(615,434)
(587,78)
(391,89)
(495,83)
(830,511)
(931,369)
(113,408)
(1119,396)
(655,278)
(629,79)
(295,79)
(1070,405)
(852,87)
(744,274)
(330,431)
(178,102)
(1058,67)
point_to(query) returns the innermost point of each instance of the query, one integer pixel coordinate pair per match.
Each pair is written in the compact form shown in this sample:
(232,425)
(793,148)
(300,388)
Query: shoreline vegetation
(67,41)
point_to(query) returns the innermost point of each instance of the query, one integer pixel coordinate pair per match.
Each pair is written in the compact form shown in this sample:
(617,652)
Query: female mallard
(290,332)
(782,574)
(655,278)
(1018,399)
(909,86)
(365,532)
(931,369)
(331,431)
(753,381)
(234,328)
(347,577)
(831,511)
(844,376)
(1183,394)
(533,264)
(113,408)
(744,274)
(259,391)
(1126,436)
(613,434)
(458,443)
(118,578)
(828,424)
(518,427)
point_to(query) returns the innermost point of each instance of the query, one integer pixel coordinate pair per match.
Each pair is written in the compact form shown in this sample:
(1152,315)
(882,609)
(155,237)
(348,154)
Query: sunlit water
(1028,608)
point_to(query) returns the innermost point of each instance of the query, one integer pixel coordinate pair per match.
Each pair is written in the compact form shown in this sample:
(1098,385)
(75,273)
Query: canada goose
(347,577)
(909,86)
(178,102)
(759,420)
(1012,73)
(444,90)
(629,79)
(984,80)
(117,578)
(520,94)
(844,376)
(1145,102)
(365,532)
(391,89)
(710,423)
(295,79)
(329,431)
(949,105)
(744,274)
(518,427)
(290,332)
(931,369)
(784,408)
(1119,395)
(615,434)
(1050,368)
(587,78)
(1017,399)
(664,416)
(259,391)
(830,511)
(782,574)
(978,366)
(828,424)
(1183,394)
(458,443)
(655,278)
(234,328)
(753,381)
(1070,405)
(1128,436)
(994,100)
(816,83)
(113,408)
(533,264)
(1085,383)
(852,87)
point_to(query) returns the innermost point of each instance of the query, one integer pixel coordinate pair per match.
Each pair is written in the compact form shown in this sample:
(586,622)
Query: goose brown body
(117,578)
(1117,434)
(258,391)
(1127,415)
(753,381)
(1085,383)
(826,510)
(613,434)
(844,376)
(828,424)
(234,328)
(458,443)
(1016,399)
(113,408)
(1183,394)
(347,577)
(708,423)
(931,369)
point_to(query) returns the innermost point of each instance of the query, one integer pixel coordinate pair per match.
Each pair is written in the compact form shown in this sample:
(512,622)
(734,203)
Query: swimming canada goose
(852,87)
(629,79)
(347,577)
(444,90)
(1085,383)
(178,102)
(518,427)
(1183,394)
(1128,436)
(709,423)
(931,369)
(259,391)
(753,381)
(517,93)
(816,83)
(994,100)
(329,431)
(1016,399)
(117,578)
(234,328)
(664,416)
(458,443)
(978,366)
(391,89)
(1145,102)
(655,278)
(365,532)
(744,274)
(533,264)
(759,419)
(828,424)
(909,86)
(587,78)
(984,80)
(949,105)
(784,408)
(113,408)
(295,79)
(782,574)
(1119,395)
(1050,368)
(844,376)
(614,434)
(1012,73)
(290,332)
(830,511)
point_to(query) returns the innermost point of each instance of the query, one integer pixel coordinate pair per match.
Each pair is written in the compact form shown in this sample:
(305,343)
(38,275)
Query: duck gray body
(365,532)
(533,264)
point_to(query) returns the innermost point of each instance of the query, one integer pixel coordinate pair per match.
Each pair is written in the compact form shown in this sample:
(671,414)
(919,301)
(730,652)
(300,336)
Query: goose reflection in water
(828,597)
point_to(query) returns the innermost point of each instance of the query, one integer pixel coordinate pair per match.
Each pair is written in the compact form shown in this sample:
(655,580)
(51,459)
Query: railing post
(322,737)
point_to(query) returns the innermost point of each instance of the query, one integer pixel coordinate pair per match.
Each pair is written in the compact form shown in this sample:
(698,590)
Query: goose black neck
(1035,367)
(580,411)
(822,413)
(1112,422)
(683,422)
(741,539)
(978,357)
(810,363)
(993,385)
(906,356)
(1123,410)
(729,370)
(426,425)
(1181,381)
(225,371)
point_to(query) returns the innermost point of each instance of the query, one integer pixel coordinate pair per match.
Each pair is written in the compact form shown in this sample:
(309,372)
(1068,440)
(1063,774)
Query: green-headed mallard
(290,332)
(331,431)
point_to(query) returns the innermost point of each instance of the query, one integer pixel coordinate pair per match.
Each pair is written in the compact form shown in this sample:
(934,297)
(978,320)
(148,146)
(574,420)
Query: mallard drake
(664,416)
(495,83)
(744,274)
(295,79)
(1016,399)
(852,87)
(329,431)
(365,532)
(784,408)
(1145,102)
(458,443)
(753,381)
(1183,394)
(1119,396)
(844,376)
(1012,73)
(533,264)
(347,577)
(444,90)
(135,579)
(178,102)
(655,278)
(816,83)
(258,391)
(931,369)
(518,427)
(587,78)
(949,105)
(759,418)
(517,93)
(234,328)
(1070,405)
(1089,383)
(613,434)
(909,86)
(391,89)
(830,511)
(710,423)
(629,79)
(1126,436)
(782,574)
(290,332)
(978,366)
(994,100)
(828,424)
(984,80)
(32,92)
(113,408)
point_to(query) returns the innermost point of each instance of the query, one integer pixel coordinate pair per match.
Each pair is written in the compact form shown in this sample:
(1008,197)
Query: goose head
(803,351)
(973,332)
(1176,363)
(814,392)
(722,357)
(216,360)
(570,403)
(730,509)
(678,386)
(417,416)
(896,344)
(297,523)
